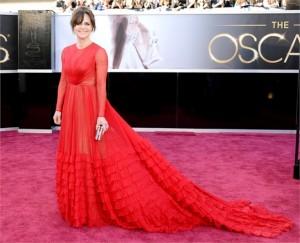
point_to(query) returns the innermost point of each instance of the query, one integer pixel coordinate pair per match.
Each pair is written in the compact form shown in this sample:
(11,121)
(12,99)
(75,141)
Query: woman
(121,179)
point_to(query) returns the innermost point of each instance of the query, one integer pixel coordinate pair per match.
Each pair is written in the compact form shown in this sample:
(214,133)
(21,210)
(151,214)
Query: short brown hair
(78,15)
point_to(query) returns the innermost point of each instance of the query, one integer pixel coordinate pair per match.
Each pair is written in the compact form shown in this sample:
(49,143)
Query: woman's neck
(83,43)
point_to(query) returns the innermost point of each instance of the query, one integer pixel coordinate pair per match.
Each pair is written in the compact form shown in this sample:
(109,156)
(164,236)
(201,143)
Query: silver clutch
(99,132)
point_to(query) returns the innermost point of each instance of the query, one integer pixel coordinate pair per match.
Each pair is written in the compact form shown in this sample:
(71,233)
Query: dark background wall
(172,100)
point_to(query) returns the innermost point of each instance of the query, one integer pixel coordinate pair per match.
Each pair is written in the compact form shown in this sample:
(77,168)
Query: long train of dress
(123,180)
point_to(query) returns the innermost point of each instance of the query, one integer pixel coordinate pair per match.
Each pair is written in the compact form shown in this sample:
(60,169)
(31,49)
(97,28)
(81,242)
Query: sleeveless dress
(122,179)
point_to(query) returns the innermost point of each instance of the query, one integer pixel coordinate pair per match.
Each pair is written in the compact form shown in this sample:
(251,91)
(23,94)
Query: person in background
(72,6)
(165,4)
(271,3)
(217,3)
(179,4)
(91,4)
(117,4)
(151,4)
(241,3)
(283,4)
(99,5)
(61,5)
(228,3)
(257,3)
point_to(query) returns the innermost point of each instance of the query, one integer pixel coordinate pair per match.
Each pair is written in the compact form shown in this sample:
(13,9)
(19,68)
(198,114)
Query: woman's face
(83,30)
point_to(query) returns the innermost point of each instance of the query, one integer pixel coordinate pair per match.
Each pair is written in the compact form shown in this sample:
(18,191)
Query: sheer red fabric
(122,179)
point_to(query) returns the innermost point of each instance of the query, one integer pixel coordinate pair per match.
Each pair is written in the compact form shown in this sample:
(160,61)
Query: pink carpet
(257,167)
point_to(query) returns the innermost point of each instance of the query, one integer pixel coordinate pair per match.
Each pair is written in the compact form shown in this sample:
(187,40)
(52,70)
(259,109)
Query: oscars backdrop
(268,42)
(36,40)
(193,42)
(9,42)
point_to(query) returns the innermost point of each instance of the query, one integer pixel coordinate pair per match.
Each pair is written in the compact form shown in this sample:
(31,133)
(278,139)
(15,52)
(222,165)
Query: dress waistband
(82,84)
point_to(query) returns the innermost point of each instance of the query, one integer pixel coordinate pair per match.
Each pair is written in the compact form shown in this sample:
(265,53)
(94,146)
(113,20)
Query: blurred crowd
(70,5)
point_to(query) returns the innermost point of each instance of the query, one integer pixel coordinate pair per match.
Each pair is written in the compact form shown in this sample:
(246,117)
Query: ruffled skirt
(123,180)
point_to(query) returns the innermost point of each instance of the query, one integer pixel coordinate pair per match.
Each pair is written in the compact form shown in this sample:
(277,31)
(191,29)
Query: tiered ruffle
(123,180)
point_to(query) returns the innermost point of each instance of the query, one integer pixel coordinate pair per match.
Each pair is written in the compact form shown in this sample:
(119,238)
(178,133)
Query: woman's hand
(57,117)
(101,121)
(102,126)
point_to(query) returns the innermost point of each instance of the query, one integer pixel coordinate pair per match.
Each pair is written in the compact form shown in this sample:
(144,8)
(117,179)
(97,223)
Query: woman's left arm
(101,75)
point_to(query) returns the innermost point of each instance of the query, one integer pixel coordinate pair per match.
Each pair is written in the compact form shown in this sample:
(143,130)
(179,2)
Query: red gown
(122,179)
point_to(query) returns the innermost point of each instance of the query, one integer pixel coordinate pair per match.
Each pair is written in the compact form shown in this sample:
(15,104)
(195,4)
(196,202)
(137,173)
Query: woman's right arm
(61,86)
(60,93)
